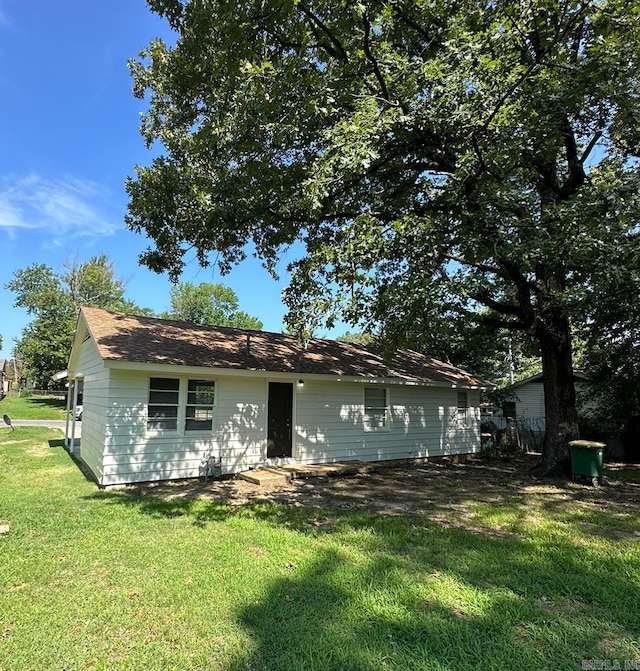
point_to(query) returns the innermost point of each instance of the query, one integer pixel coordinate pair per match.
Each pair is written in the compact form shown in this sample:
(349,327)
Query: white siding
(133,454)
(95,400)
(530,401)
(423,422)
(328,425)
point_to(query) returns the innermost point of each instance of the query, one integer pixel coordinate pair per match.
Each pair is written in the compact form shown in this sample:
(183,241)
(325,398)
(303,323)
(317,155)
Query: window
(376,408)
(176,404)
(200,402)
(463,409)
(164,399)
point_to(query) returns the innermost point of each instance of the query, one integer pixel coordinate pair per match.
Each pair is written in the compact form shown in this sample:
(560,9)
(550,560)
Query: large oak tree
(436,158)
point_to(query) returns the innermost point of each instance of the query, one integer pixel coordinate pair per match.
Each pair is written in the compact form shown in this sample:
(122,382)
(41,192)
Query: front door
(280,419)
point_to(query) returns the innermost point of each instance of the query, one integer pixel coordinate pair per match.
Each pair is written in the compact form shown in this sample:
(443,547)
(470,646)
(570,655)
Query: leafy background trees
(53,299)
(612,356)
(442,164)
(207,303)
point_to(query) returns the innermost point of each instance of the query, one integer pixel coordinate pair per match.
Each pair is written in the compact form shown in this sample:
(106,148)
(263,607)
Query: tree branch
(498,306)
(338,51)
(539,54)
(576,176)
(374,63)
(506,95)
(594,141)
(502,323)
(473,264)
(414,25)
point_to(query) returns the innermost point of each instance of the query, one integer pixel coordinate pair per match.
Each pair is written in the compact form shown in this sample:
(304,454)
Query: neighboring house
(528,397)
(7,375)
(165,399)
(526,407)
(9,381)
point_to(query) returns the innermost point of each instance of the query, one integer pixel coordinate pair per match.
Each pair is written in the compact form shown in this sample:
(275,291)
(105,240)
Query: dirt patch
(440,489)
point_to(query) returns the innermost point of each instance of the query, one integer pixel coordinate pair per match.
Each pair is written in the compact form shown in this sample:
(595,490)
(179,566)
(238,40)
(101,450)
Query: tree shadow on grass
(473,498)
(445,604)
(404,592)
(196,510)
(48,402)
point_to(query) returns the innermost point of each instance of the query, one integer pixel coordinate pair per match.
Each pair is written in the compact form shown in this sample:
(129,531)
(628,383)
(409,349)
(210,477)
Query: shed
(525,409)
(528,395)
(166,399)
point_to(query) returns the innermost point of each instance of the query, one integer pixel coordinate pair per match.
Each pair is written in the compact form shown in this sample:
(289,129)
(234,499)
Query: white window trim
(387,410)
(196,432)
(463,421)
(154,430)
(183,398)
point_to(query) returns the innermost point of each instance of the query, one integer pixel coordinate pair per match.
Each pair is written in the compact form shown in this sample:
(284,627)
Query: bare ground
(445,491)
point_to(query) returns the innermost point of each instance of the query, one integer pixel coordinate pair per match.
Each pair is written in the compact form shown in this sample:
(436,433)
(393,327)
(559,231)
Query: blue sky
(68,140)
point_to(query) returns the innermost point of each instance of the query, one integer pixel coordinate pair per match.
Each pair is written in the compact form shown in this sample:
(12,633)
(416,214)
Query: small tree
(213,304)
(53,299)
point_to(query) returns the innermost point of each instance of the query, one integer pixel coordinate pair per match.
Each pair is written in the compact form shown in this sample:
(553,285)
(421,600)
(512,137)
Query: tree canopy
(439,161)
(206,303)
(612,356)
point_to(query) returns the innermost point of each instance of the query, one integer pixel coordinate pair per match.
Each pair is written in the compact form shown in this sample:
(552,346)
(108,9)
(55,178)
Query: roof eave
(170,369)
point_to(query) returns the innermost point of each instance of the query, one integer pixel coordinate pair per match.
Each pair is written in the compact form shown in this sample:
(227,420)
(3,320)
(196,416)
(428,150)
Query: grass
(94,579)
(33,407)
(624,474)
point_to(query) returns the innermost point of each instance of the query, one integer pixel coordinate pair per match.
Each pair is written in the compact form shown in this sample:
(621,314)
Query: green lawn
(33,407)
(94,579)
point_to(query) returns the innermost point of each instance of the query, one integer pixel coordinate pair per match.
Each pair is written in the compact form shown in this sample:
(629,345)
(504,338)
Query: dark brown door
(280,419)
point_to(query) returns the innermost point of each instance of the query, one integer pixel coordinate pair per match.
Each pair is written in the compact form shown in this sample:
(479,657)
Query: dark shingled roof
(161,341)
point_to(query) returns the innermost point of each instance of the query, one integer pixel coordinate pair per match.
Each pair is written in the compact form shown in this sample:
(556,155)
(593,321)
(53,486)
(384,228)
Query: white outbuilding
(166,399)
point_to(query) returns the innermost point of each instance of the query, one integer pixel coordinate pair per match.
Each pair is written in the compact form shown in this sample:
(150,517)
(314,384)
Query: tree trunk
(559,394)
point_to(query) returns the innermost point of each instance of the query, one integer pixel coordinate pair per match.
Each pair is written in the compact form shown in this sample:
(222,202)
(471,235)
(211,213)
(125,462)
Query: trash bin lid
(592,444)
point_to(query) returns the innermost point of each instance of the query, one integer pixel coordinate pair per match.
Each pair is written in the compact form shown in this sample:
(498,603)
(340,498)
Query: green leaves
(213,304)
(434,158)
(53,299)
(292,120)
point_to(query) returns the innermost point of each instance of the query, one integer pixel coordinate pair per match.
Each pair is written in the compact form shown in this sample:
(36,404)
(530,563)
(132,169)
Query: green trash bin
(586,460)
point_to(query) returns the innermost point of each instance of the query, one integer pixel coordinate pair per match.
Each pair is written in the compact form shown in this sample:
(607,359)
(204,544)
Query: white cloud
(58,208)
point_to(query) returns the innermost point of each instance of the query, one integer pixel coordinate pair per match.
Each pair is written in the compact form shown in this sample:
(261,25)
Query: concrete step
(323,470)
(275,474)
(264,476)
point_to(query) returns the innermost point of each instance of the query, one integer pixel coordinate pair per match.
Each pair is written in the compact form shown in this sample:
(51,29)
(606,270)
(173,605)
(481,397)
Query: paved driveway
(51,423)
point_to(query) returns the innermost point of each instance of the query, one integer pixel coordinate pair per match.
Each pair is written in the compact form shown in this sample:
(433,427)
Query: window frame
(367,407)
(152,421)
(185,393)
(208,407)
(463,414)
